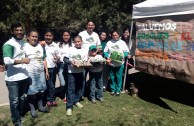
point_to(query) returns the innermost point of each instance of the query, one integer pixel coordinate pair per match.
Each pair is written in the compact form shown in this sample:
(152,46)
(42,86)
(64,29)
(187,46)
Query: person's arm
(106,54)
(8,52)
(46,69)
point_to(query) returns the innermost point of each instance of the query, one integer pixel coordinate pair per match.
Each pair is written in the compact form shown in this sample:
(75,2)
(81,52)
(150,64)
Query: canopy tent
(155,8)
(164,38)
(159,55)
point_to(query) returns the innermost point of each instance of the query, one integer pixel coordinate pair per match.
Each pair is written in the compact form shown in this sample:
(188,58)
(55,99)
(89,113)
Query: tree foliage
(71,14)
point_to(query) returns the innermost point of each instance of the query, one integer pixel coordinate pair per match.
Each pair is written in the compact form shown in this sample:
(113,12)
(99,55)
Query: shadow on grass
(151,88)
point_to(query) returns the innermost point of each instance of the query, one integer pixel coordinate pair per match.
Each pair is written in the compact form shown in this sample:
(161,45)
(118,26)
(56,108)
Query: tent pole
(129,45)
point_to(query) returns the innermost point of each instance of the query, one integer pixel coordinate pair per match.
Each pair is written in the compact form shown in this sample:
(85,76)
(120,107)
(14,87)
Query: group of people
(32,66)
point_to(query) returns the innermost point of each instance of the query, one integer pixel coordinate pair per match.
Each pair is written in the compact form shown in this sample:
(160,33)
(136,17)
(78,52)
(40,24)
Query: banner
(165,46)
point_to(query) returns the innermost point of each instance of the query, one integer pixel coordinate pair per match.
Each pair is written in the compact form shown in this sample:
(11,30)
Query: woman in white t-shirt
(62,68)
(37,69)
(115,52)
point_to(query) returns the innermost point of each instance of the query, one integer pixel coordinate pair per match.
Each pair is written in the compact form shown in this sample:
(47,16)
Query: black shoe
(82,98)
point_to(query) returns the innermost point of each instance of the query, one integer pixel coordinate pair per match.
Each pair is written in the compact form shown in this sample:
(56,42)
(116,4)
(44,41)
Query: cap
(92,47)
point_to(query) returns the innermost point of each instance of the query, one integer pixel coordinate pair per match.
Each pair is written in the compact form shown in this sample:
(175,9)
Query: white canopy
(154,8)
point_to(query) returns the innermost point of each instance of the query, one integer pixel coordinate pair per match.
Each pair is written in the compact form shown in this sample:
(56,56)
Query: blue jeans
(17,91)
(60,74)
(96,86)
(51,85)
(74,88)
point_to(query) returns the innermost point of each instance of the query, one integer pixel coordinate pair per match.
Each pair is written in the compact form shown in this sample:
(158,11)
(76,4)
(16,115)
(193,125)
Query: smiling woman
(37,69)
(33,38)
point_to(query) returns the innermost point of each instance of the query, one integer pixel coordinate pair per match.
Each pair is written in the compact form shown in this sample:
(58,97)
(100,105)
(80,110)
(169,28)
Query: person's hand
(74,64)
(26,60)
(47,75)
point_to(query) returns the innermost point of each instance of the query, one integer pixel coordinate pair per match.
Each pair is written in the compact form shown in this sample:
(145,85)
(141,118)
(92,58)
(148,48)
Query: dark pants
(74,88)
(105,75)
(96,86)
(50,92)
(84,89)
(17,91)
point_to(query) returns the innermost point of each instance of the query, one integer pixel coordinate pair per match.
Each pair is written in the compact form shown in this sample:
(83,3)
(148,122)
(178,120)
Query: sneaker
(82,98)
(49,104)
(79,105)
(64,100)
(112,93)
(117,94)
(93,101)
(54,103)
(69,112)
(101,99)
(104,89)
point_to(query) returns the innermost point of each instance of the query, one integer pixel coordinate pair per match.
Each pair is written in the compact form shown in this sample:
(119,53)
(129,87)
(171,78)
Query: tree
(69,14)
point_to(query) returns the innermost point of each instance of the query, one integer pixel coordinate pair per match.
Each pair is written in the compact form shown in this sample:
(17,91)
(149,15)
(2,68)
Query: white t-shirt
(63,50)
(76,54)
(14,50)
(52,51)
(36,55)
(89,39)
(116,51)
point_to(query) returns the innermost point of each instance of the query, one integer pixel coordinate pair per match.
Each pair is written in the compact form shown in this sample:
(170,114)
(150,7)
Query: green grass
(124,110)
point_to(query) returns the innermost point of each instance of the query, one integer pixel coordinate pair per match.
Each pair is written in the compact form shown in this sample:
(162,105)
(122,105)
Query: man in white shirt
(89,37)
(16,75)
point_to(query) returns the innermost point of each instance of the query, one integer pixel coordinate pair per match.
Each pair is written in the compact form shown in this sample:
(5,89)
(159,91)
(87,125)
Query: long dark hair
(103,31)
(125,29)
(62,41)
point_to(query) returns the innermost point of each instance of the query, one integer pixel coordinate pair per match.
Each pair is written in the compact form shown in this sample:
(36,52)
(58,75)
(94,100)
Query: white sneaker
(79,105)
(69,112)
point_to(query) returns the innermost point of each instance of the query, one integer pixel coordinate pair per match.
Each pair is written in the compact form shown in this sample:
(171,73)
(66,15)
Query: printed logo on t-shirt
(116,47)
(90,39)
(76,57)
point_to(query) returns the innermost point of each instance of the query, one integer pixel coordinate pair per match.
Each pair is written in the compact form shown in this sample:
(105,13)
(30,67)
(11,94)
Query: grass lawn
(155,106)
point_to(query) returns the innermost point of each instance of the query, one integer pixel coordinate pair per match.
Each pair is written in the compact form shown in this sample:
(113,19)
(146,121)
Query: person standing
(75,74)
(16,75)
(52,57)
(130,43)
(62,67)
(129,60)
(95,75)
(115,52)
(38,72)
(89,37)
(105,74)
